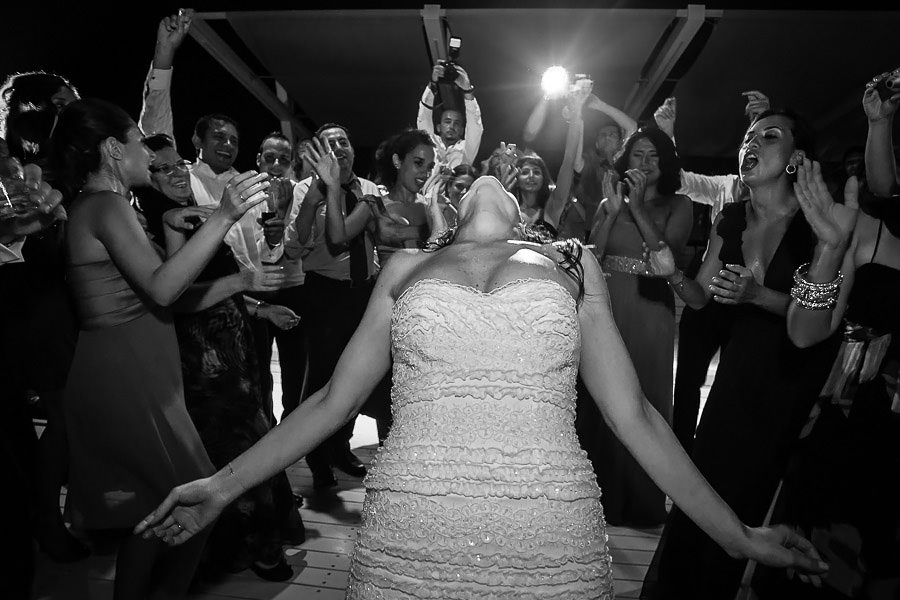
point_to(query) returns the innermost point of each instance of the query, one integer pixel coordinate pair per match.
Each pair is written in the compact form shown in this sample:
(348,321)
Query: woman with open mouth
(764,385)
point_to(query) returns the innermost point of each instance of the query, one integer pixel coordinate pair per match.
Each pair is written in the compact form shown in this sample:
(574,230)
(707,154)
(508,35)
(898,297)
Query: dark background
(105,50)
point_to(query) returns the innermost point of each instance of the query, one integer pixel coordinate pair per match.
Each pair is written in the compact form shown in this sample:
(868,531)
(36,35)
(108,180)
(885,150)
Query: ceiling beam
(664,59)
(434,31)
(210,41)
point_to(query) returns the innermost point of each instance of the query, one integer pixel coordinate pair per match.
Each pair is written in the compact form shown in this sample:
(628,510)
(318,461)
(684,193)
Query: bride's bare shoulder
(401,268)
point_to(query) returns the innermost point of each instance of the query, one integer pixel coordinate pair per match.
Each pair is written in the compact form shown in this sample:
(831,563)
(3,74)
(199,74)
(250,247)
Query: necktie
(359,267)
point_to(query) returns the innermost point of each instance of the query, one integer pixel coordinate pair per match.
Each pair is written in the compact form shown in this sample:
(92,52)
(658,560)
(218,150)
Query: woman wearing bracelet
(764,385)
(222,389)
(840,484)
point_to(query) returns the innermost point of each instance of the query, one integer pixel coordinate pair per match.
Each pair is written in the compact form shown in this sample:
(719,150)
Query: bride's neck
(485,227)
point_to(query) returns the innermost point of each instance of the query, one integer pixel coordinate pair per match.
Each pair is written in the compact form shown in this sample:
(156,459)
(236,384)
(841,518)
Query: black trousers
(292,351)
(700,334)
(332,310)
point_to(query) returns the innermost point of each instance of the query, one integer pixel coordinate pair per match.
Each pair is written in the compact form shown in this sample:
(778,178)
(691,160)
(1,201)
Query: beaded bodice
(481,490)
(484,390)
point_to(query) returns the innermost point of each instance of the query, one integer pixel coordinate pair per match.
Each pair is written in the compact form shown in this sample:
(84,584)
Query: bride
(481,489)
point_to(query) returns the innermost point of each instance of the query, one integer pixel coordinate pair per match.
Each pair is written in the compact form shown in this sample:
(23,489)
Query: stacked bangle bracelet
(815,296)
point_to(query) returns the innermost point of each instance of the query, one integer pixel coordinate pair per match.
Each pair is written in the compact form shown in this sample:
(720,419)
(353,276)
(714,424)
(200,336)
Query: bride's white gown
(482,490)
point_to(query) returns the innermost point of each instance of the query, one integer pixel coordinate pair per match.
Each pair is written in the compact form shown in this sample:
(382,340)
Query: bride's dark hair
(571,249)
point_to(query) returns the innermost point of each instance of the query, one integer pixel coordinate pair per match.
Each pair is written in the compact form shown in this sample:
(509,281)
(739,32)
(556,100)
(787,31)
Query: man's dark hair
(205,122)
(328,126)
(275,135)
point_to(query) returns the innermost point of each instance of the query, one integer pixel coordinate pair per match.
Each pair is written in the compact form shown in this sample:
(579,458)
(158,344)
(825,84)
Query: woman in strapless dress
(130,435)
(481,490)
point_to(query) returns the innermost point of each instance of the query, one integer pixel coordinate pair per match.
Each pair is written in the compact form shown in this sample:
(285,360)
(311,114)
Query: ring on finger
(179,526)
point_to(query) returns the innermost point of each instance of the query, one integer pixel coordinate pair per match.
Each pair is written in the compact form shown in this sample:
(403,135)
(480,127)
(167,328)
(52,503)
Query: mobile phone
(266,215)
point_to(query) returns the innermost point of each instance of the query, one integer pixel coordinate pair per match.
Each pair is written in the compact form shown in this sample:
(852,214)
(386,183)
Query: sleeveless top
(102,296)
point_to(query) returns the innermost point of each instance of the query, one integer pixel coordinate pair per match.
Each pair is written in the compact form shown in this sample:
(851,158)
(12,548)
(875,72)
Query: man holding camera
(456,134)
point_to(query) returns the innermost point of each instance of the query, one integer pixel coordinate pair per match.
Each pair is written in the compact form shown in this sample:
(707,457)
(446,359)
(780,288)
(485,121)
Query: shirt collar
(203,169)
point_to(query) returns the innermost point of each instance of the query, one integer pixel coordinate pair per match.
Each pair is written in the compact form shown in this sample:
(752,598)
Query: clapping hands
(323,161)
(832,223)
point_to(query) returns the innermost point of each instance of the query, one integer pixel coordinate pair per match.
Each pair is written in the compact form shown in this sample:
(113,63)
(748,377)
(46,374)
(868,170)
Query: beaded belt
(860,359)
(625,264)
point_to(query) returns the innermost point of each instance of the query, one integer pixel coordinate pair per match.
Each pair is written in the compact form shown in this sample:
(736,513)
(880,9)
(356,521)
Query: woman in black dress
(840,488)
(764,385)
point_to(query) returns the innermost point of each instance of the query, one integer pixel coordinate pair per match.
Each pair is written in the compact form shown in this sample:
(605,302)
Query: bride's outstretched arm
(611,380)
(192,506)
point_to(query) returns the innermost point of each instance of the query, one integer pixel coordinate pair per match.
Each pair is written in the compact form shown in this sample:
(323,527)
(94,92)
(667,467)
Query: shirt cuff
(12,253)
(159,79)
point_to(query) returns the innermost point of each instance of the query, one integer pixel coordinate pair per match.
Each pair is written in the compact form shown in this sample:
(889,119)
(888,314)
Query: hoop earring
(790,169)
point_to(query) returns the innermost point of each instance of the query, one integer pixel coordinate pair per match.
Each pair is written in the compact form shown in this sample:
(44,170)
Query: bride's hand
(185,512)
(781,546)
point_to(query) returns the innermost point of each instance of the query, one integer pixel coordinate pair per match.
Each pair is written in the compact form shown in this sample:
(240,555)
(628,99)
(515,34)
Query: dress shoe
(348,463)
(323,479)
(281,571)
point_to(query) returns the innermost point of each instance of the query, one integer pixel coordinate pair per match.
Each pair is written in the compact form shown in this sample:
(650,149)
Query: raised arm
(365,360)
(624,121)
(536,120)
(339,228)
(881,165)
(834,225)
(474,126)
(611,380)
(566,175)
(116,226)
(156,111)
(426,102)
(610,207)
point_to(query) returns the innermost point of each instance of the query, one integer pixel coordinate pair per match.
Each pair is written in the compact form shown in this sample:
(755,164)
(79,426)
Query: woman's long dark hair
(669,162)
(27,113)
(543,193)
(400,144)
(75,144)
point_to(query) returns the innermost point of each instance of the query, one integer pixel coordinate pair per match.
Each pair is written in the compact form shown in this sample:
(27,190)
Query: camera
(889,86)
(450,72)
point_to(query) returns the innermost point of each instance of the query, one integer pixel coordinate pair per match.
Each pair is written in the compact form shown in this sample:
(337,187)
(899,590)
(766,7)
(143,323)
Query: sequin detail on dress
(482,490)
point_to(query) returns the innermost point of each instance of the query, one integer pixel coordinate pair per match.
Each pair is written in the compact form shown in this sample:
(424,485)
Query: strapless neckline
(477,292)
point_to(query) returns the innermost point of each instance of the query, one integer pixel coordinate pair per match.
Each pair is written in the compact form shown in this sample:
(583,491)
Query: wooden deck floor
(320,564)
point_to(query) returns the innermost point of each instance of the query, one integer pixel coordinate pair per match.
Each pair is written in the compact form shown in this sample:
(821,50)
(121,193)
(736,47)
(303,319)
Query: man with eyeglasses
(216,140)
